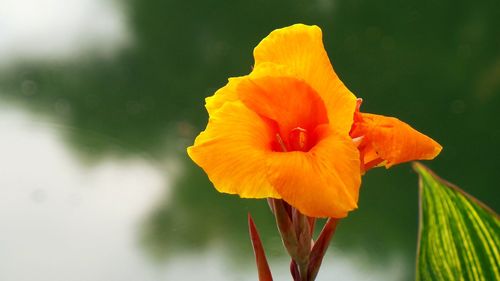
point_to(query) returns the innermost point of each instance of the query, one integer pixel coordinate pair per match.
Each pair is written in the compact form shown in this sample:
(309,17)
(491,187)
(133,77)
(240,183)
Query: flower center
(290,106)
(298,140)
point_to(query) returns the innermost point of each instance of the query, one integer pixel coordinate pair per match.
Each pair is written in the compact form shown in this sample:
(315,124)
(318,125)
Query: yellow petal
(233,151)
(323,182)
(230,91)
(300,48)
(223,95)
(394,141)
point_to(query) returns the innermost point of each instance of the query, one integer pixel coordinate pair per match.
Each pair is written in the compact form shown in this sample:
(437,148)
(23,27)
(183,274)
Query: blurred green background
(99,99)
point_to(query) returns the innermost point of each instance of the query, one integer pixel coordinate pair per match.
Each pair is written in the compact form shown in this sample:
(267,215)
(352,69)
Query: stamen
(280,141)
(299,139)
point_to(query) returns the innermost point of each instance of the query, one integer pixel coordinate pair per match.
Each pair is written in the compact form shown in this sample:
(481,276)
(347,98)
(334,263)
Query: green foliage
(459,236)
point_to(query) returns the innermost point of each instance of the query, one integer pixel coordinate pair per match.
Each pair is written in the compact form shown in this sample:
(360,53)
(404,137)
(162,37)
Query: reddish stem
(319,249)
(260,256)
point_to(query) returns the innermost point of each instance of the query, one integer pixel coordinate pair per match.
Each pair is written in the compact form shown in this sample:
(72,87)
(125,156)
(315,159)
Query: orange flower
(292,130)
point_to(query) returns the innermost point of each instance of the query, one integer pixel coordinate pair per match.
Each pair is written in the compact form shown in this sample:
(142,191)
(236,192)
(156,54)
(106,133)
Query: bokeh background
(99,99)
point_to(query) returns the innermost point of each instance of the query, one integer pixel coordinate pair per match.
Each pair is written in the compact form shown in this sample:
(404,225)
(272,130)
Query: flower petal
(323,182)
(233,151)
(230,91)
(300,48)
(389,141)
(223,95)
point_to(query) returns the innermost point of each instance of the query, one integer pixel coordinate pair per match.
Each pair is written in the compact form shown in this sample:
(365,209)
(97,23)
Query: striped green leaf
(459,237)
